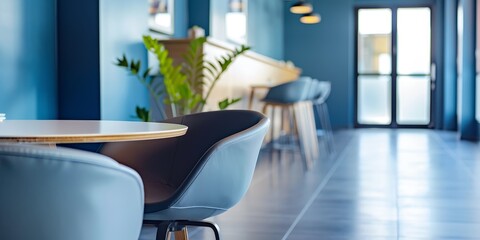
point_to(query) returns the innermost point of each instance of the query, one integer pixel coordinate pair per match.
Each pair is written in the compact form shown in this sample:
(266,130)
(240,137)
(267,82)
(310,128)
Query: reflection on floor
(380,184)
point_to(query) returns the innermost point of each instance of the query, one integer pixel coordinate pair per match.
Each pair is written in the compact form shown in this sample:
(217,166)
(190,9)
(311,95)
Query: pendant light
(301,7)
(310,18)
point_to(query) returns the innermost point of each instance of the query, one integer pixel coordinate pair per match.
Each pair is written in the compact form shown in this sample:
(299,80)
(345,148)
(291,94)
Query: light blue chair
(59,194)
(198,175)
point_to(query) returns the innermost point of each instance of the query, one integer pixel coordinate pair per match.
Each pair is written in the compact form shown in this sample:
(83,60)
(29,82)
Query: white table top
(83,131)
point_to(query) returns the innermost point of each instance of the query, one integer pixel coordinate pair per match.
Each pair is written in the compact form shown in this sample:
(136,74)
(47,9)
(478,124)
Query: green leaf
(146,73)
(142,114)
(210,71)
(212,67)
(122,62)
(182,83)
(227,102)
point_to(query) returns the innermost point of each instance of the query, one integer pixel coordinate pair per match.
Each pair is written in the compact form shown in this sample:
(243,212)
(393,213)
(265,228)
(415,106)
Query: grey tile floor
(380,184)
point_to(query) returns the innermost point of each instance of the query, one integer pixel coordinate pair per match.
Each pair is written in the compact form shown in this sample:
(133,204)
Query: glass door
(394,66)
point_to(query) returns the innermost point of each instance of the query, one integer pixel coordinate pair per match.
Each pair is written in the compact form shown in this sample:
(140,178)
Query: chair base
(178,227)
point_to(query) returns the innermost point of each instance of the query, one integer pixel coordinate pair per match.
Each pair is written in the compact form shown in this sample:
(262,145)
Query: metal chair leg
(163,232)
(328,127)
(292,129)
(323,115)
(164,228)
(210,225)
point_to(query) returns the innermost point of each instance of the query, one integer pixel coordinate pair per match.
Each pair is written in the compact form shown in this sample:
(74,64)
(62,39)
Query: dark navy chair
(58,194)
(198,175)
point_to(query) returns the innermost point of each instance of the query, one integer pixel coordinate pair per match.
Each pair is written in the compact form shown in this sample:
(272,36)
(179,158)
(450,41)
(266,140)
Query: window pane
(374,40)
(413,100)
(374,100)
(413,40)
(236,21)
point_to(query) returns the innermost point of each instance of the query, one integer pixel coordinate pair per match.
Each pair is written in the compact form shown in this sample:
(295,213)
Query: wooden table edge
(95,139)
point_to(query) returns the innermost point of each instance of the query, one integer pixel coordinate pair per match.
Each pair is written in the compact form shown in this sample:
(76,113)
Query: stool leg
(321,117)
(272,129)
(291,127)
(311,130)
(264,109)
(181,234)
(328,127)
(299,118)
(283,129)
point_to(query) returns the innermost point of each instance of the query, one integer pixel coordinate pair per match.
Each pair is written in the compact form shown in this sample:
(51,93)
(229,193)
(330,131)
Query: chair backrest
(289,92)
(323,92)
(58,194)
(313,90)
(212,165)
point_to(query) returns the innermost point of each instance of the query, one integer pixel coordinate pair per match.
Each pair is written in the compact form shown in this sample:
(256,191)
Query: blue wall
(325,51)
(27,59)
(199,14)
(218,9)
(122,24)
(265,28)
(181,21)
(264,25)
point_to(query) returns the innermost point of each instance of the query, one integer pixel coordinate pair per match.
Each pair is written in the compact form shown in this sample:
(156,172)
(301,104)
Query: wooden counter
(248,69)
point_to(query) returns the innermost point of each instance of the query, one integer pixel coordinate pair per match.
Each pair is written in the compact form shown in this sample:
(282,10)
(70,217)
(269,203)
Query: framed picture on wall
(161,16)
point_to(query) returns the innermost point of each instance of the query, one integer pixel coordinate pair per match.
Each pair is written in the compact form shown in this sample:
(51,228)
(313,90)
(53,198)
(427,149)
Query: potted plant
(187,86)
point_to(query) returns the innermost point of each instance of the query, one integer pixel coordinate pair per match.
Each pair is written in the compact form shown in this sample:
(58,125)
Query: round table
(85,131)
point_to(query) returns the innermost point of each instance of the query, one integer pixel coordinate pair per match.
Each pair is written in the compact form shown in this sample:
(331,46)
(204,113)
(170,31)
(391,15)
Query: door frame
(393,123)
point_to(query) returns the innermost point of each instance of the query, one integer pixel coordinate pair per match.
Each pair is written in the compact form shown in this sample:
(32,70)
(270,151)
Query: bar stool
(319,100)
(284,96)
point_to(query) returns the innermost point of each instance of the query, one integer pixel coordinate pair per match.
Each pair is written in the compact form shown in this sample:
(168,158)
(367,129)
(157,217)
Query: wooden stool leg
(181,235)
(250,100)
(292,132)
(272,128)
(282,124)
(264,109)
